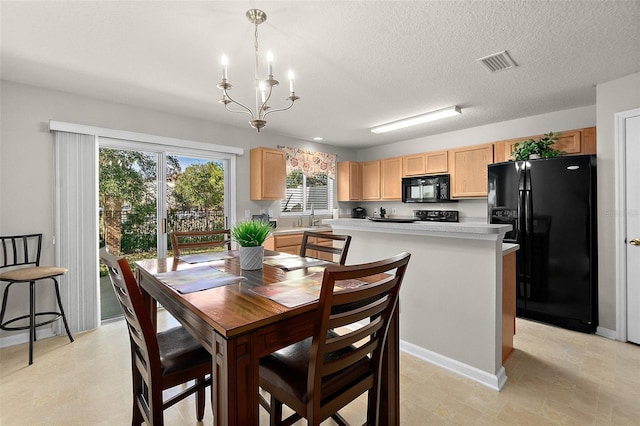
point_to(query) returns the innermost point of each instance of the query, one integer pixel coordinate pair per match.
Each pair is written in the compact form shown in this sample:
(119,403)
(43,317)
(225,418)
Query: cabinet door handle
(635,242)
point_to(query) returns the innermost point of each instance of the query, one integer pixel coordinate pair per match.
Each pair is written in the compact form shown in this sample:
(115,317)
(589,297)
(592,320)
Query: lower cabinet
(508,303)
(291,243)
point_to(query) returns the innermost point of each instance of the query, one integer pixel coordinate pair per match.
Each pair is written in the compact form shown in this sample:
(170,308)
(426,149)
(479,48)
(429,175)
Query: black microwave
(426,189)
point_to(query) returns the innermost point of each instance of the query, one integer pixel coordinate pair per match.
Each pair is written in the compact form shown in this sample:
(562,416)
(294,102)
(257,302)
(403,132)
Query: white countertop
(472,230)
(509,248)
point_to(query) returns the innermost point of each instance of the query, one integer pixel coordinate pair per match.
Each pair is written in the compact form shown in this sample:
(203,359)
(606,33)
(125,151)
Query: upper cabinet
(468,169)
(572,142)
(371,180)
(391,179)
(349,181)
(425,163)
(382,179)
(268,174)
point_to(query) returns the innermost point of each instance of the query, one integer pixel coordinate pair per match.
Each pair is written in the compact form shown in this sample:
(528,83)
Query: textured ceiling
(357,63)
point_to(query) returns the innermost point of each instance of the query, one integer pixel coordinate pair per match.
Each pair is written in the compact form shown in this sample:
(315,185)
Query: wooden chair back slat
(308,247)
(341,341)
(184,241)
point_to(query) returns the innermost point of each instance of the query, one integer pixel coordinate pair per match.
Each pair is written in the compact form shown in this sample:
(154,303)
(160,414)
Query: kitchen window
(309,182)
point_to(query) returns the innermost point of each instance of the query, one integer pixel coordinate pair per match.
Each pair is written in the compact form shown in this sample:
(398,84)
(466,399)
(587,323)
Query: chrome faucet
(312,217)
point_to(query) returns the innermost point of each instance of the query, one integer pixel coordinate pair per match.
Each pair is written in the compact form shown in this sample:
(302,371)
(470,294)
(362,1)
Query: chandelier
(263,88)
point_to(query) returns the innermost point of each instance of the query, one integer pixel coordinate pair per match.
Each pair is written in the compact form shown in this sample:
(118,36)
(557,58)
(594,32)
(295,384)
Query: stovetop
(437,215)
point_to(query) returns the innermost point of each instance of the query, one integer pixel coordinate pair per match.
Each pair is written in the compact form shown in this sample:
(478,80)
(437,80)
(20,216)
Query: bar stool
(21,259)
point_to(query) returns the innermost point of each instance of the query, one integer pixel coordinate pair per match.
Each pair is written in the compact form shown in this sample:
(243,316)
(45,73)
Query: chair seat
(287,369)
(32,273)
(180,351)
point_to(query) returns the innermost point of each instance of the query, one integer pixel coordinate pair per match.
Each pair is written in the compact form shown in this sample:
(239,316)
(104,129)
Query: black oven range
(437,215)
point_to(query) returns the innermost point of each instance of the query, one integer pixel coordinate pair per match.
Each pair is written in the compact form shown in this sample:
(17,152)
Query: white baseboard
(605,332)
(493,381)
(17,339)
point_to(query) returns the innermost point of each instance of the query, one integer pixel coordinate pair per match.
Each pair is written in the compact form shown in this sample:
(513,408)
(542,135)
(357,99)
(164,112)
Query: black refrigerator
(551,204)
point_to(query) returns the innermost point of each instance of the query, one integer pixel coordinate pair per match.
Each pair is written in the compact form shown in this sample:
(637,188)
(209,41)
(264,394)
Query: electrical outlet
(247,214)
(270,213)
(375,212)
(393,210)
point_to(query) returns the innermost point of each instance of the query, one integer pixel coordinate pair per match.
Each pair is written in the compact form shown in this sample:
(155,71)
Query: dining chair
(159,361)
(312,246)
(320,375)
(200,239)
(21,261)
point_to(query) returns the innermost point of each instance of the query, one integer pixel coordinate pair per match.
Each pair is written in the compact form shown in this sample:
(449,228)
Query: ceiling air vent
(497,62)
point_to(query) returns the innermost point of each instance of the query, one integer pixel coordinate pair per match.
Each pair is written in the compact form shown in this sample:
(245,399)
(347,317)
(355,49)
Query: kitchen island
(451,298)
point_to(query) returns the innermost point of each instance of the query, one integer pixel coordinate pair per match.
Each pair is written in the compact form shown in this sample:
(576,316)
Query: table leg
(234,392)
(149,302)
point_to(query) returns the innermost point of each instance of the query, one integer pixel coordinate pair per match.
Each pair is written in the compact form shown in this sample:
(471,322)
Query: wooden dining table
(238,326)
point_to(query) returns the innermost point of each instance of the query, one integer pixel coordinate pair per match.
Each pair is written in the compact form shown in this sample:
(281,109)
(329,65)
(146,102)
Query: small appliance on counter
(437,215)
(359,213)
(265,218)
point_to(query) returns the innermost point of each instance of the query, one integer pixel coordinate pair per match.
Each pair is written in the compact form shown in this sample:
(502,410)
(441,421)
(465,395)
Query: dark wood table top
(232,309)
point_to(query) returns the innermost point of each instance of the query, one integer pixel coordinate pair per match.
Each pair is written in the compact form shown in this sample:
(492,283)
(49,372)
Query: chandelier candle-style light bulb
(225,62)
(270,64)
(262,87)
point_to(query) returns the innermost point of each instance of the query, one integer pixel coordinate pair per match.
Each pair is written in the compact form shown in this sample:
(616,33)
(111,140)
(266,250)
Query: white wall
(26,155)
(27,162)
(615,96)
(476,210)
(552,122)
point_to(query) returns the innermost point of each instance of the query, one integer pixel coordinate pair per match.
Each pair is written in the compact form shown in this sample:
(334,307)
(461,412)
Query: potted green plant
(250,236)
(536,148)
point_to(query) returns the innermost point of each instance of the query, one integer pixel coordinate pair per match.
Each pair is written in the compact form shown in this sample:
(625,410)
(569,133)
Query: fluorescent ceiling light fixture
(418,119)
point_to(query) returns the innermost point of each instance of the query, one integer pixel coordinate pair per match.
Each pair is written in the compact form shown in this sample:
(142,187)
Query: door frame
(621,221)
(162,152)
(88,318)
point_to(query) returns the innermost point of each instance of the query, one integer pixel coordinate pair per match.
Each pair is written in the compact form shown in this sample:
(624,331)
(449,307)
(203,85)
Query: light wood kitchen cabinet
(291,243)
(508,303)
(572,142)
(437,162)
(371,180)
(349,181)
(425,163)
(391,178)
(268,174)
(468,169)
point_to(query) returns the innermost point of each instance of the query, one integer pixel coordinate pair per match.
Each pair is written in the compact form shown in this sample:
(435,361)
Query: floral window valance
(309,162)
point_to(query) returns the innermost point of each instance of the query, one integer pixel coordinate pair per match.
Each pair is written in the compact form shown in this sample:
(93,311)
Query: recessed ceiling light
(418,119)
(318,138)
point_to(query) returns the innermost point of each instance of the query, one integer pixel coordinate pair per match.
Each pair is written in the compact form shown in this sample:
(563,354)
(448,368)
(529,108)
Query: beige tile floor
(555,376)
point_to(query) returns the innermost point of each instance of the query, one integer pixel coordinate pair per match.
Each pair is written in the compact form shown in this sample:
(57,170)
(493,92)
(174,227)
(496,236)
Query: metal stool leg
(64,317)
(32,318)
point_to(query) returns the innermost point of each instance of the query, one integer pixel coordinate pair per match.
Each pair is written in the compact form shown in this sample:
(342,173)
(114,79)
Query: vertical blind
(76,233)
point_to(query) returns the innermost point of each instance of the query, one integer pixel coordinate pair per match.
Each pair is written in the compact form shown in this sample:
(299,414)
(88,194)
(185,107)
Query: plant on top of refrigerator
(541,147)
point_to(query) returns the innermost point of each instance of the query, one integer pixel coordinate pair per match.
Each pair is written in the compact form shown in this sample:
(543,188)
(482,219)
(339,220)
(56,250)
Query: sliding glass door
(195,194)
(145,194)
